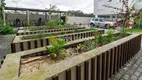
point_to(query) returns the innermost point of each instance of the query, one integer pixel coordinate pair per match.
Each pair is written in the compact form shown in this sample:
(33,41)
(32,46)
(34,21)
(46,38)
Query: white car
(101,22)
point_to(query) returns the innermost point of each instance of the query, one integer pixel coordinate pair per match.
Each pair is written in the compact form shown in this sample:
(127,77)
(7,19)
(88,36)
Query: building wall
(78,20)
(34,18)
(99,9)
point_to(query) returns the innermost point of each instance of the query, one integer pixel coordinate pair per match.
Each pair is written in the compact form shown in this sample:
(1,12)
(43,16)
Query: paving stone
(133,77)
(138,62)
(135,65)
(137,73)
(130,71)
(126,76)
(140,78)
(139,69)
(118,76)
(122,71)
(122,79)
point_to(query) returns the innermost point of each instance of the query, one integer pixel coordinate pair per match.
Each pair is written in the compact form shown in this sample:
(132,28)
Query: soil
(33,64)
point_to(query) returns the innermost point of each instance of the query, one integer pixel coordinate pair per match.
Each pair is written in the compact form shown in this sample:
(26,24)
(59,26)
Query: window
(96,19)
(109,0)
(92,19)
(101,20)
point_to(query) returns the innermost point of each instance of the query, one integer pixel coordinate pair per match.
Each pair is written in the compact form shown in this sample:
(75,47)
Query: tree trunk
(49,17)
(3,14)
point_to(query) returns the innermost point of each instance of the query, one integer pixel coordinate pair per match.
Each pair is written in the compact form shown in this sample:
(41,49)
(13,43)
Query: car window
(96,19)
(92,19)
(101,20)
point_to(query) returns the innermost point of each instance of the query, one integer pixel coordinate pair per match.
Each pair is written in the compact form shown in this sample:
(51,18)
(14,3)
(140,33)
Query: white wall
(99,9)
(78,20)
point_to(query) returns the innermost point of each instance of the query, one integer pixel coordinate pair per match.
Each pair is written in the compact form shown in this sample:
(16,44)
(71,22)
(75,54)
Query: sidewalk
(5,46)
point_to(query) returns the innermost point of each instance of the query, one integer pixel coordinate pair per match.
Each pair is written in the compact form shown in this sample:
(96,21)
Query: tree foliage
(79,13)
(126,12)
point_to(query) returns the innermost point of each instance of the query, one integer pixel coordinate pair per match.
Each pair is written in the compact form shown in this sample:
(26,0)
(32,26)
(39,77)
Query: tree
(52,8)
(126,13)
(79,13)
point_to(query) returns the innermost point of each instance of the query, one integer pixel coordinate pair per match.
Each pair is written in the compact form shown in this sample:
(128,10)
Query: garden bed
(42,35)
(28,32)
(21,45)
(35,63)
(99,63)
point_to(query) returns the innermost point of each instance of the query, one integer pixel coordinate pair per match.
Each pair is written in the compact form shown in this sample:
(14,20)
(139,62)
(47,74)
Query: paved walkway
(132,70)
(5,45)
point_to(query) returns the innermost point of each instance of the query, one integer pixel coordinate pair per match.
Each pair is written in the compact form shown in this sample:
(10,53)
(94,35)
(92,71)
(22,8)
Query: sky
(64,5)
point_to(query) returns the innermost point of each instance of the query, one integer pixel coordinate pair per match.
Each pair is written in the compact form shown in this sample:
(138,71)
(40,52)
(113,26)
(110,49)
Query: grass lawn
(137,31)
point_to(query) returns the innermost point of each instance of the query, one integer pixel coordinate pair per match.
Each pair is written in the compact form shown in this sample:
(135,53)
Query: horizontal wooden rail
(27,32)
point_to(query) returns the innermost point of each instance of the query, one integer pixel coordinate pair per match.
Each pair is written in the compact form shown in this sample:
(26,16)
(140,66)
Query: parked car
(101,22)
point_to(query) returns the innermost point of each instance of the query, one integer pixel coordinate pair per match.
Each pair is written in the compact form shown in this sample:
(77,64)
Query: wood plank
(86,73)
(99,67)
(55,78)
(68,75)
(93,69)
(78,72)
(112,64)
(21,46)
(104,66)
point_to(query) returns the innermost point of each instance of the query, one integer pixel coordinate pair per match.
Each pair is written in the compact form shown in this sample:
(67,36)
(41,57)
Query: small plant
(51,24)
(62,28)
(60,22)
(89,45)
(79,47)
(68,25)
(56,49)
(123,32)
(110,35)
(6,29)
(97,38)
(76,30)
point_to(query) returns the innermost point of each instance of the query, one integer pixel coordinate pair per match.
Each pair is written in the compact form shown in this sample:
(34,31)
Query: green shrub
(67,25)
(60,22)
(138,26)
(56,49)
(6,29)
(110,35)
(51,24)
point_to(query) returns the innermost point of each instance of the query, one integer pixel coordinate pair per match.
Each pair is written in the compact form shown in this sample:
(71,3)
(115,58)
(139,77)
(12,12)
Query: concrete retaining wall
(34,18)
(78,20)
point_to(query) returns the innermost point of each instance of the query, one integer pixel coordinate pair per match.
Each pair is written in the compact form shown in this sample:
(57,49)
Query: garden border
(100,63)
(18,45)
